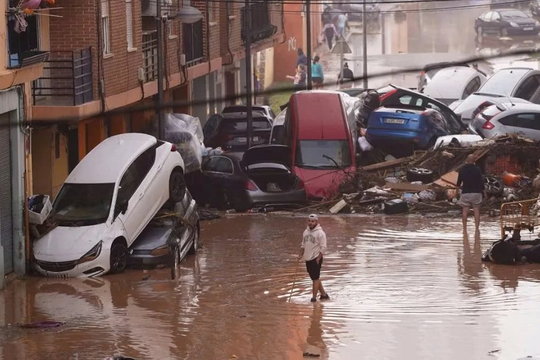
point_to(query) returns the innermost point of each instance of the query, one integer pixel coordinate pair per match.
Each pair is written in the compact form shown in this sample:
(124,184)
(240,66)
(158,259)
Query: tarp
(186,133)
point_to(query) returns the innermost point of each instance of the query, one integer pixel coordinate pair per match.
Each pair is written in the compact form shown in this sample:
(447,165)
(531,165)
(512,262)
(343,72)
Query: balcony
(193,43)
(261,27)
(23,46)
(67,79)
(150,55)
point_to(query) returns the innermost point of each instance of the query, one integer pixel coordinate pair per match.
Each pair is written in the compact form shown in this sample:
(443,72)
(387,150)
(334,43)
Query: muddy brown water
(401,288)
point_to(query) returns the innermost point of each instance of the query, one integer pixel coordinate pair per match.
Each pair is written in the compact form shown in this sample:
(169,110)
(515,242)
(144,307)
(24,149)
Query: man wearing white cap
(312,249)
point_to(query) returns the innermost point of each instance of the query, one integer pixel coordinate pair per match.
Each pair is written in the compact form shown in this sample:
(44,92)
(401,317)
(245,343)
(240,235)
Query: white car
(454,83)
(508,118)
(517,85)
(106,202)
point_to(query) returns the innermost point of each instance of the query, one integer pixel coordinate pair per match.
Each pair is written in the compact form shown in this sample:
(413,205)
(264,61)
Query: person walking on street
(312,250)
(329,31)
(471,182)
(341,24)
(302,58)
(317,72)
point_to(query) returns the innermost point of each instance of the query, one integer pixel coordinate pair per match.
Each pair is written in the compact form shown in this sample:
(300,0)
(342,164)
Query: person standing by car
(471,182)
(312,249)
(317,72)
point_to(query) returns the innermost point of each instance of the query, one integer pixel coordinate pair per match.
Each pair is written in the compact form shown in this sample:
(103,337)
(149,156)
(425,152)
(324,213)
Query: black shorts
(314,269)
(317,80)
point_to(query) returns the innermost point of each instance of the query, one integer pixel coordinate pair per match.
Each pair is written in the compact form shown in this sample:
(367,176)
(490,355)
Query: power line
(169,105)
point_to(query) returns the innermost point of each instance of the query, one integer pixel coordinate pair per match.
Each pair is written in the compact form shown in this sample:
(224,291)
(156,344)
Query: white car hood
(68,243)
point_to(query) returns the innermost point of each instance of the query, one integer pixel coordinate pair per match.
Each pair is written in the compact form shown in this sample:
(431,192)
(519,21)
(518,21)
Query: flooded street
(400,287)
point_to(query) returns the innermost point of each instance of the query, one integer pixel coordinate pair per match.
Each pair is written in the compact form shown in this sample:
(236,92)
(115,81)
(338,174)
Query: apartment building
(103,56)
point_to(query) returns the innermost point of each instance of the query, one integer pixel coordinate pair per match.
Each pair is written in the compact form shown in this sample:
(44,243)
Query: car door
(495,24)
(218,174)
(526,124)
(132,188)
(485,21)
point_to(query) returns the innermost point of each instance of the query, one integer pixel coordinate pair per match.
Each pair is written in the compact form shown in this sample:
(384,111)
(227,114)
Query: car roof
(444,64)
(243,115)
(315,111)
(444,84)
(112,156)
(522,106)
(515,74)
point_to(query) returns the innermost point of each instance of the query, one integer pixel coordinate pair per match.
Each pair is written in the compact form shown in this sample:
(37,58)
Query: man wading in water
(471,181)
(312,250)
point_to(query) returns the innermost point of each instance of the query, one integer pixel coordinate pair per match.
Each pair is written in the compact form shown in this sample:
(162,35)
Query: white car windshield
(83,204)
(323,154)
(503,82)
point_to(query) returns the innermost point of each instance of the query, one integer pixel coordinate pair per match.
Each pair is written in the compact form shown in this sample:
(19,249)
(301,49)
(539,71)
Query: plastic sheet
(186,133)
(39,208)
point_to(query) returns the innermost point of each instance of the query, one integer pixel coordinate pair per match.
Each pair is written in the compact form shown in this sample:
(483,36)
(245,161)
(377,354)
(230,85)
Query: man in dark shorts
(471,181)
(312,249)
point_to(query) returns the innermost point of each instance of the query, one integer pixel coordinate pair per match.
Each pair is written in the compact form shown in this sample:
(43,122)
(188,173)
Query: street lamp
(186,15)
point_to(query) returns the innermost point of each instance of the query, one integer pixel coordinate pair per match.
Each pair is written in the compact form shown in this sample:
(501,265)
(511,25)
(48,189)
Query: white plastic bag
(185,132)
(42,207)
(364,144)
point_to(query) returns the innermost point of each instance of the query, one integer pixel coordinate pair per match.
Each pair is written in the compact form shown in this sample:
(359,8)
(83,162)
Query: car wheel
(493,186)
(177,186)
(480,31)
(420,174)
(195,246)
(118,257)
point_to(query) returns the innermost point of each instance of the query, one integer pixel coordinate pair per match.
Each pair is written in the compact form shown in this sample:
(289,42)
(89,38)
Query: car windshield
(83,204)
(503,82)
(323,154)
(240,125)
(514,14)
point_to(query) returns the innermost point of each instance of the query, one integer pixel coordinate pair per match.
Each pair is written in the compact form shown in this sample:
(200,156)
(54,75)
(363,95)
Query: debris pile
(426,182)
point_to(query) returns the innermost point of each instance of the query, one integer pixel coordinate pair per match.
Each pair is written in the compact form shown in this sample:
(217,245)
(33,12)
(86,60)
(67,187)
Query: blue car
(416,128)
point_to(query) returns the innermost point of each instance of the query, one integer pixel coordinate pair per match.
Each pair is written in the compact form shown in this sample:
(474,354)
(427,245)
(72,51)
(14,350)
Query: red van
(320,128)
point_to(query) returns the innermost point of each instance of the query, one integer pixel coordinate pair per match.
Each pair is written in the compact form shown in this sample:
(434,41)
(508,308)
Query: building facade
(22,63)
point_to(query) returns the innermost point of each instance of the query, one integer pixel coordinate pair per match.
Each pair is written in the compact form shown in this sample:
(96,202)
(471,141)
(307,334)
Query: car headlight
(160,251)
(513,24)
(92,254)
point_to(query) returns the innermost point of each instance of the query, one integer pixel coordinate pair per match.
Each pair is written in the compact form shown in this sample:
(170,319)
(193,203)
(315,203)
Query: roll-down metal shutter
(6,227)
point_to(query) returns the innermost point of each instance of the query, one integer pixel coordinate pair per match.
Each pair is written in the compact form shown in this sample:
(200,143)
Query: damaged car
(169,237)
(106,202)
(262,177)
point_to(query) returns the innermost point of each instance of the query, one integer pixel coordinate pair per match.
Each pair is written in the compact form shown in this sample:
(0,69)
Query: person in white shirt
(312,250)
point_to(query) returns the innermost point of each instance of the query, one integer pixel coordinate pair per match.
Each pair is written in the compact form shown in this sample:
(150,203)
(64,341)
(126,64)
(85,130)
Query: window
(323,154)
(487,16)
(240,125)
(170,29)
(472,87)
(129,24)
(105,27)
(527,89)
(219,164)
(83,204)
(524,121)
(186,2)
(496,16)
(230,7)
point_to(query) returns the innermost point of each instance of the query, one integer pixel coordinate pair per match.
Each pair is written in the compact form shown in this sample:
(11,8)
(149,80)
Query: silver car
(508,118)
(516,84)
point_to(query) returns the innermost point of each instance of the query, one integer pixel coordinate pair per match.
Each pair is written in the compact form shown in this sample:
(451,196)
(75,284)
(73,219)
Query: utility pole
(308,47)
(364,53)
(249,105)
(159,102)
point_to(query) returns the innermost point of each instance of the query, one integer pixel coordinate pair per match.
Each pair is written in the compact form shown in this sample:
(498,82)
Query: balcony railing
(23,46)
(150,55)
(260,24)
(67,79)
(193,43)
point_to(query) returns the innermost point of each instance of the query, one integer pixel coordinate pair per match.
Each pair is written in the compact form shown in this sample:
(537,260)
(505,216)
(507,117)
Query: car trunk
(272,178)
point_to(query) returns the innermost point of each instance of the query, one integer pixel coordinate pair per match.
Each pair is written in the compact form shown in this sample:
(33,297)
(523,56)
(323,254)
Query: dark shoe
(324,297)
(313,300)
